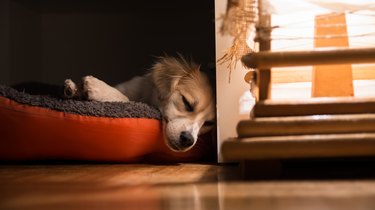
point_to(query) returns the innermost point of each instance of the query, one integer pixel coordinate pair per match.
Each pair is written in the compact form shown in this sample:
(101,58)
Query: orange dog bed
(36,130)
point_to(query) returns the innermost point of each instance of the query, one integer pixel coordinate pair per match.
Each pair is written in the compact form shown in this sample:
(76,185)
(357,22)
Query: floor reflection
(289,195)
(179,187)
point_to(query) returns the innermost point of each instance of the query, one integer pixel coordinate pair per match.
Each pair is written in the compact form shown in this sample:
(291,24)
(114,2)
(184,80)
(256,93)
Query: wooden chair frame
(313,128)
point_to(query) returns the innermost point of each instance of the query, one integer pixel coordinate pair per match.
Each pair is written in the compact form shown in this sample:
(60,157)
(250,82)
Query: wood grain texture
(263,33)
(314,106)
(324,56)
(304,125)
(301,146)
(170,187)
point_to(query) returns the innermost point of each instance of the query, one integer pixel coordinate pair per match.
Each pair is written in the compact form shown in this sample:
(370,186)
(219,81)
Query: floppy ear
(168,71)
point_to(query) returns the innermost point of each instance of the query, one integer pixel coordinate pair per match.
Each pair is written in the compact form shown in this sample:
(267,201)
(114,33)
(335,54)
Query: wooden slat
(264,84)
(307,146)
(313,106)
(324,56)
(304,125)
(264,75)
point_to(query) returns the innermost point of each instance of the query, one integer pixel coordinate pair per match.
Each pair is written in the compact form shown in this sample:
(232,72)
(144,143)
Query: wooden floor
(180,186)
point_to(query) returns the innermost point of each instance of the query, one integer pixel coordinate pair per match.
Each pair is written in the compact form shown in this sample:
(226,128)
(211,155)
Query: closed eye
(209,123)
(187,105)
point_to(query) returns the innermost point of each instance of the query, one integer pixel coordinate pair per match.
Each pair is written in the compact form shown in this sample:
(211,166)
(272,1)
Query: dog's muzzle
(184,143)
(186,140)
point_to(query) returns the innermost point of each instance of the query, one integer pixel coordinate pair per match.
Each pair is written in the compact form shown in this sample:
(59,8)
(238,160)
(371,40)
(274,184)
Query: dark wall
(51,40)
(4,42)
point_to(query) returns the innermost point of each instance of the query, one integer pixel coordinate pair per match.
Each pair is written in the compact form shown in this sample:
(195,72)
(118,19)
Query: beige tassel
(240,17)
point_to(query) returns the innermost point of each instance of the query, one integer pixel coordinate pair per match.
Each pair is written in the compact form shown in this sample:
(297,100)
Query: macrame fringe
(240,17)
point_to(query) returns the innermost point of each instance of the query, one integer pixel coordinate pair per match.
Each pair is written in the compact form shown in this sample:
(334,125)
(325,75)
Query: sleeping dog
(174,85)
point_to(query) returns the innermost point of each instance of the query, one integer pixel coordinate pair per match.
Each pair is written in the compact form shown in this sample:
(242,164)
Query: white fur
(170,80)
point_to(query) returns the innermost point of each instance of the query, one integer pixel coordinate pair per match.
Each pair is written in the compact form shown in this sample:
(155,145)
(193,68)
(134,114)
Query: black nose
(186,139)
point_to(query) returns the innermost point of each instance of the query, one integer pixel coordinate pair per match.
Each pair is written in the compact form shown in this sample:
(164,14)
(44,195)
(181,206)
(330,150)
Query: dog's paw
(70,89)
(97,90)
(93,88)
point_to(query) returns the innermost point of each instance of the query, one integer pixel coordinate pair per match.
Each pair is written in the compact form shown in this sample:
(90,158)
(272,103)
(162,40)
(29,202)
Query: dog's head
(186,101)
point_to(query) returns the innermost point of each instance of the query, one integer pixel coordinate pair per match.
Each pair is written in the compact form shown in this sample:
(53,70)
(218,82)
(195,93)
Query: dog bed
(36,123)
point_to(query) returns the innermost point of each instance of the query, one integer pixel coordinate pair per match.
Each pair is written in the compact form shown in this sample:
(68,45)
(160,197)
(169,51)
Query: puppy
(174,85)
